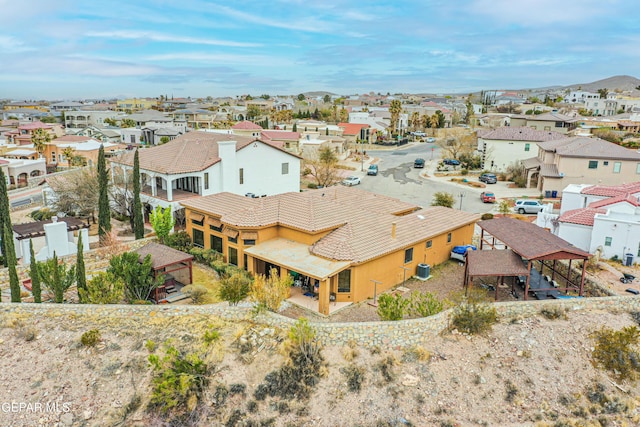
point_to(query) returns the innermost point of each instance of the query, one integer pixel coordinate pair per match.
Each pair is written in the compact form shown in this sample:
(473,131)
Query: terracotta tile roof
(530,241)
(508,133)
(352,128)
(280,135)
(582,216)
(360,222)
(71,138)
(586,147)
(191,152)
(246,125)
(628,198)
(612,191)
(35,125)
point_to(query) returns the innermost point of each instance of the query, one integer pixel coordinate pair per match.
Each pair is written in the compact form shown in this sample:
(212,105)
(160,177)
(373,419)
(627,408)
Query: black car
(373,170)
(488,178)
(452,162)
(418,163)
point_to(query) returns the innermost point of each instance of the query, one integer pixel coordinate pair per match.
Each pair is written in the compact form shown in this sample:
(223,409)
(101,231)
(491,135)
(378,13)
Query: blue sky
(68,49)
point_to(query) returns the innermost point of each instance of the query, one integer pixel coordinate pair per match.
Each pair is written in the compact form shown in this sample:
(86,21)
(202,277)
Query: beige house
(549,121)
(579,160)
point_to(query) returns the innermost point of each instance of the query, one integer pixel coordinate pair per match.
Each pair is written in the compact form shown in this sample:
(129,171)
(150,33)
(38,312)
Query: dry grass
(209,279)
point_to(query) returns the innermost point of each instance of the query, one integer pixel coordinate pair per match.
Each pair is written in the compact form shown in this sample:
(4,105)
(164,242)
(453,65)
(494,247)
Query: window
(206,180)
(605,163)
(233,256)
(559,124)
(527,147)
(216,243)
(638,249)
(344,281)
(408,255)
(249,242)
(593,164)
(198,238)
(232,239)
(196,221)
(53,157)
(214,228)
(285,169)
(241,175)
(449,238)
(429,243)
(607,241)
(616,167)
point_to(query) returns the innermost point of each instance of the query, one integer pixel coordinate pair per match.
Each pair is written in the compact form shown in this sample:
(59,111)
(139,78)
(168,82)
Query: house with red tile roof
(247,128)
(602,218)
(22,135)
(202,163)
(350,242)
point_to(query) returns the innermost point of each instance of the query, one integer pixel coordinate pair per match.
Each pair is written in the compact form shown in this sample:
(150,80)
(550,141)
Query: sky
(72,49)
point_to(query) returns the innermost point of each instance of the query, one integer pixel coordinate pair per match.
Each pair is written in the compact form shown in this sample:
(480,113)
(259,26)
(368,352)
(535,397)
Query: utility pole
(375,293)
(461,197)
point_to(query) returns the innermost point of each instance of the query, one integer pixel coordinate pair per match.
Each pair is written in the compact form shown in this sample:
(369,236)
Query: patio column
(323,297)
(154,186)
(169,190)
(526,286)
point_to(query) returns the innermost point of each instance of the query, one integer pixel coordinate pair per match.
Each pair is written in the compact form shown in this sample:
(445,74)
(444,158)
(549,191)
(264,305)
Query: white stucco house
(203,163)
(599,218)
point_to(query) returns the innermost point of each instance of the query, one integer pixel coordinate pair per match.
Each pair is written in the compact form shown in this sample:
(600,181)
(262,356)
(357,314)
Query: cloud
(159,37)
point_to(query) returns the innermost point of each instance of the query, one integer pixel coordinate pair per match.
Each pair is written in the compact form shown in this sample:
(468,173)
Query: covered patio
(176,267)
(316,283)
(501,264)
(531,244)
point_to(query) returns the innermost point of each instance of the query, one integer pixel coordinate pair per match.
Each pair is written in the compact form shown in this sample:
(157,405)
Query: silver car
(528,206)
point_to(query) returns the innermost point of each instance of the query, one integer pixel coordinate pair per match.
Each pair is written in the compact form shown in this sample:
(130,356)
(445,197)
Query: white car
(431,140)
(528,206)
(351,180)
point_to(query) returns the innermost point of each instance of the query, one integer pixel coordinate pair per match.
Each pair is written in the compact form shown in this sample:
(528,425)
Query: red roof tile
(246,125)
(583,216)
(628,198)
(353,128)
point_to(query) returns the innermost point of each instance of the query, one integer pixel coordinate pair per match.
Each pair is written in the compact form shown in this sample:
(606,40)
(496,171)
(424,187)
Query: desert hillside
(531,372)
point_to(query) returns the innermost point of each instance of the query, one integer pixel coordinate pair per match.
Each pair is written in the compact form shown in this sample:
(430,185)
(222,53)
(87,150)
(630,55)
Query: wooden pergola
(502,264)
(166,260)
(532,243)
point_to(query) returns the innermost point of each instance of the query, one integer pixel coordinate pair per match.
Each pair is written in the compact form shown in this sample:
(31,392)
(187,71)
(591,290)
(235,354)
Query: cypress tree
(10,258)
(36,289)
(4,212)
(104,213)
(295,127)
(138,223)
(81,278)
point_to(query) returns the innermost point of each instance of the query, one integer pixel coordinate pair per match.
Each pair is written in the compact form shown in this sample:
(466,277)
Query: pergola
(492,264)
(166,260)
(531,243)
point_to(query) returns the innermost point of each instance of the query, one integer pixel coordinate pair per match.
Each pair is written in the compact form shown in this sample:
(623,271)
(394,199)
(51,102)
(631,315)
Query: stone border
(400,334)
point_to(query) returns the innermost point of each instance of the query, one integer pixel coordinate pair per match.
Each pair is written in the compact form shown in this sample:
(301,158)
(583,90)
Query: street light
(461,197)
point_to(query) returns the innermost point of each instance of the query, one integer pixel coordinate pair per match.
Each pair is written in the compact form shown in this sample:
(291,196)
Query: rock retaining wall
(400,334)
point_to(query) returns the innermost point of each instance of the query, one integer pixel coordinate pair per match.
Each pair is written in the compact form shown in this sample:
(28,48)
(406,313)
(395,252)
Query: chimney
(393,230)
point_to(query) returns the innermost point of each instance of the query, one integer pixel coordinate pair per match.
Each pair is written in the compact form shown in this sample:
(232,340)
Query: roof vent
(393,230)
(420,216)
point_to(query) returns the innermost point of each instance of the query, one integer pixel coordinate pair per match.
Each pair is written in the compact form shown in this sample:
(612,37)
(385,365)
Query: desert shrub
(42,214)
(473,314)
(90,338)
(205,256)
(616,351)
(103,288)
(392,307)
(424,304)
(486,216)
(301,371)
(416,354)
(464,172)
(312,185)
(554,313)
(178,383)
(211,336)
(511,391)
(237,388)
(197,293)
(150,346)
(179,240)
(234,288)
(355,376)
(269,292)
(386,368)
(56,276)
(504,207)
(442,198)
(28,333)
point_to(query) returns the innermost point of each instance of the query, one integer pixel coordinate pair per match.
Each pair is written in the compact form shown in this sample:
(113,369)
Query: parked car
(528,206)
(488,178)
(487,197)
(418,133)
(431,140)
(351,180)
(460,252)
(373,170)
(452,162)
(418,163)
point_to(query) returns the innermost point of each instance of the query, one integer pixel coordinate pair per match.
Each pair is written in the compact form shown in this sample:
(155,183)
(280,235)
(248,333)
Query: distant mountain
(611,83)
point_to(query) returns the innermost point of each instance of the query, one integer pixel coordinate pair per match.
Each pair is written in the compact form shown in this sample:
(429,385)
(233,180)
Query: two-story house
(203,163)
(552,121)
(580,159)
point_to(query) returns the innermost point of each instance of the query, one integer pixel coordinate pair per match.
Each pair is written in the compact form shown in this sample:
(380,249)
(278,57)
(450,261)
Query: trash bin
(628,260)
(547,194)
(554,194)
(424,271)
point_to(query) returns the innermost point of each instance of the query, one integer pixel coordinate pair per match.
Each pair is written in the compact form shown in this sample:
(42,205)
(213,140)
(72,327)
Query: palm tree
(415,120)
(39,139)
(68,154)
(395,109)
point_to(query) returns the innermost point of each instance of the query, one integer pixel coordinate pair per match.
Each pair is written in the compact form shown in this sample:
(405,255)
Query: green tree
(395,109)
(162,222)
(295,127)
(234,288)
(253,112)
(392,307)
(81,277)
(301,97)
(103,288)
(56,277)
(111,122)
(603,93)
(127,123)
(10,257)
(36,290)
(68,154)
(138,221)
(5,213)
(137,276)
(164,140)
(39,139)
(49,119)
(327,99)
(104,210)
(442,198)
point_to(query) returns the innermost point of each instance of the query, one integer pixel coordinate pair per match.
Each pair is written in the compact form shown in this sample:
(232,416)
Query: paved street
(398,178)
